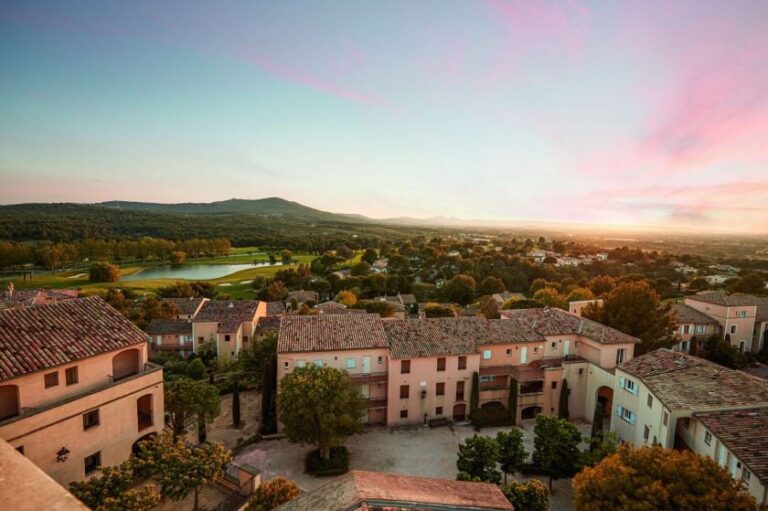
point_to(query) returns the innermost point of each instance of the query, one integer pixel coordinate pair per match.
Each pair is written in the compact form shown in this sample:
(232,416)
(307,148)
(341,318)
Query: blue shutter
(619,409)
(632,418)
(621,382)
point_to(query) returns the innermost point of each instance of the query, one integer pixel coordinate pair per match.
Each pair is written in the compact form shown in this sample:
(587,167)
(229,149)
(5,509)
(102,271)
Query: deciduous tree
(550,297)
(189,400)
(556,447)
(511,451)
(478,457)
(347,298)
(490,285)
(320,406)
(528,496)
(657,478)
(112,490)
(271,494)
(460,289)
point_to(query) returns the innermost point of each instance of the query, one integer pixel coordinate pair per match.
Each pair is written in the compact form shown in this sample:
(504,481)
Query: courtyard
(417,451)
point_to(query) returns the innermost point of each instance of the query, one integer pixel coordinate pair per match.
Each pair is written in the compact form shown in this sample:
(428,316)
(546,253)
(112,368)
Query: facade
(735,314)
(230,325)
(676,400)
(693,326)
(170,336)
(76,390)
(379,491)
(414,371)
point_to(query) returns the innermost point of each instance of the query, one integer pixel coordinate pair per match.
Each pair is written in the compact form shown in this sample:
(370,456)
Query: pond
(190,271)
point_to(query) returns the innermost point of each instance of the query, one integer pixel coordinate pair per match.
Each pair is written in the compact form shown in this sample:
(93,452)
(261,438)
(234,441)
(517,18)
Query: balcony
(377,403)
(172,346)
(364,378)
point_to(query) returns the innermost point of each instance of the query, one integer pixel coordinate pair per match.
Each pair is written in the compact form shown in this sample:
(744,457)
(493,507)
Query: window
(687,423)
(554,385)
(403,414)
(200,340)
(20,449)
(462,363)
(90,419)
(532,387)
(509,352)
(553,346)
(351,363)
(405,390)
(440,389)
(227,338)
(708,438)
(51,380)
(245,338)
(380,360)
(318,363)
(699,329)
(742,314)
(441,364)
(70,375)
(486,378)
(686,329)
(665,419)
(285,364)
(487,354)
(650,401)
(581,371)
(405,366)
(745,475)
(535,349)
(301,363)
(684,346)
(459,391)
(646,432)
(619,356)
(625,414)
(628,385)
(439,410)
(733,329)
(92,462)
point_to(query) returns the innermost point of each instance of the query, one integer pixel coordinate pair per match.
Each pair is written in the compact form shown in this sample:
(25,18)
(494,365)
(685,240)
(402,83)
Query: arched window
(144,411)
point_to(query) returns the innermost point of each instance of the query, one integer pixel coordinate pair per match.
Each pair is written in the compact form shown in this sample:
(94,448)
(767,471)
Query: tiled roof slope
(186,306)
(228,314)
(359,490)
(723,298)
(744,433)
(169,326)
(267,325)
(762,309)
(683,382)
(329,332)
(26,297)
(436,337)
(44,336)
(686,314)
(275,308)
(551,321)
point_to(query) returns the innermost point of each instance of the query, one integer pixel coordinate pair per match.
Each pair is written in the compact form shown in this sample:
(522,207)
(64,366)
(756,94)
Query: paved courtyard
(416,451)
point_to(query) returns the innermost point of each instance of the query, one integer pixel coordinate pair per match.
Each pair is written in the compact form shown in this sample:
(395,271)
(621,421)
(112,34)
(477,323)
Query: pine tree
(597,425)
(562,411)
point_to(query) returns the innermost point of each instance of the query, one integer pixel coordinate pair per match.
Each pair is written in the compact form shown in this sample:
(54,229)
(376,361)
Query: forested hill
(272,206)
(260,222)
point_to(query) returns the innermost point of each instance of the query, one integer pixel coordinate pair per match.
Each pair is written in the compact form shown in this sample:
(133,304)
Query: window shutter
(619,410)
(621,382)
(632,418)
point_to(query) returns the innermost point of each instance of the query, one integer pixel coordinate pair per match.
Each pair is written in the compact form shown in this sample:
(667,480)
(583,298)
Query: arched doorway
(492,404)
(144,411)
(125,364)
(605,396)
(530,412)
(9,401)
(459,412)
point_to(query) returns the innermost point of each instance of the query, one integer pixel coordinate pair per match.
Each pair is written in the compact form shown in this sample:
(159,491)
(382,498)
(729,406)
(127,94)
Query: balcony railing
(379,402)
(175,346)
(363,378)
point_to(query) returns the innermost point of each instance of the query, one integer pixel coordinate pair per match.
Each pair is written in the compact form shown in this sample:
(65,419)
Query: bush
(491,415)
(104,272)
(336,464)
(529,496)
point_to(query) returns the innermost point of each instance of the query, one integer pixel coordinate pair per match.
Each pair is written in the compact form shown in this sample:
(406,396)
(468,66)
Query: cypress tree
(474,396)
(512,400)
(236,400)
(597,426)
(268,401)
(563,405)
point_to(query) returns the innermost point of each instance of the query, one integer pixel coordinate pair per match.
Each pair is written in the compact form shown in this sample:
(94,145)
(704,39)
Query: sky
(649,113)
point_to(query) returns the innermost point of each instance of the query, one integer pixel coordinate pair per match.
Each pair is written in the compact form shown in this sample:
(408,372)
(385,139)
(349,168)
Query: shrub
(104,272)
(491,415)
(530,496)
(336,464)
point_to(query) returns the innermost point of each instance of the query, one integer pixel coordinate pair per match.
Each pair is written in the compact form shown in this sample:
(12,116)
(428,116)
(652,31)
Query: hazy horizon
(569,112)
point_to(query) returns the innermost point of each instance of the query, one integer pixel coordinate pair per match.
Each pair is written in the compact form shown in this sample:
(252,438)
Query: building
(577,306)
(353,342)
(25,486)
(414,371)
(170,336)
(302,296)
(13,297)
(735,314)
(230,325)
(378,491)
(76,390)
(692,326)
(187,307)
(676,400)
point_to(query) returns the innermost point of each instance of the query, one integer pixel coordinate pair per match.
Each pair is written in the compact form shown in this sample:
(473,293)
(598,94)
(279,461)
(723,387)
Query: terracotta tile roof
(550,321)
(267,325)
(26,297)
(275,308)
(328,332)
(683,382)
(330,305)
(762,309)
(186,306)
(744,433)
(303,296)
(435,337)
(44,336)
(687,314)
(228,314)
(722,298)
(169,326)
(360,490)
